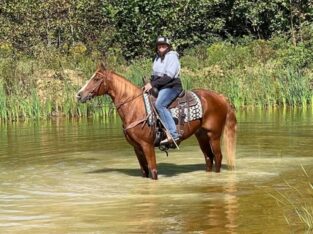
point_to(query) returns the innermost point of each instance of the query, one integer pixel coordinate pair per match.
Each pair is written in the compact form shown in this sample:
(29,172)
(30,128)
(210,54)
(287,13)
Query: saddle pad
(151,119)
(192,113)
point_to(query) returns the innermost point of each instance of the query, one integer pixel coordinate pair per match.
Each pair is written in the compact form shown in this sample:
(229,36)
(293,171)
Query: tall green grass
(258,74)
(3,102)
(297,202)
(252,74)
(22,98)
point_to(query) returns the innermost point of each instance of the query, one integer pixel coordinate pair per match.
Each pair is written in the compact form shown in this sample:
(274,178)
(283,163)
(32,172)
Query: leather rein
(119,105)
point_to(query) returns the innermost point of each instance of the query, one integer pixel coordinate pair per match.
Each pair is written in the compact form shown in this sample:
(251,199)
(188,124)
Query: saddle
(185,97)
(185,108)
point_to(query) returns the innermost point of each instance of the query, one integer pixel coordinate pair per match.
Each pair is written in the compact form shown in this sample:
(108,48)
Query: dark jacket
(166,71)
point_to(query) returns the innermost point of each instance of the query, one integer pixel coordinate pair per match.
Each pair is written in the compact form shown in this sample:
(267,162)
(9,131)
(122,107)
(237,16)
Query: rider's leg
(165,97)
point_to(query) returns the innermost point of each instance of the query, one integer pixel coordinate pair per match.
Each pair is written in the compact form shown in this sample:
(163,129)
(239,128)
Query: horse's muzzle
(83,99)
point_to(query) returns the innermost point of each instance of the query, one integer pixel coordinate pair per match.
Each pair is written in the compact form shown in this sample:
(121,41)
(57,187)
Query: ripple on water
(75,178)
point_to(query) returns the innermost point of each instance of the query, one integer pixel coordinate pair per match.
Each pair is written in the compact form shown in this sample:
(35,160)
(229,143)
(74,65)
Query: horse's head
(95,86)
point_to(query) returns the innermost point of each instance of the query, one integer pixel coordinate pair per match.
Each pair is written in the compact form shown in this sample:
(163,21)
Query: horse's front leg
(149,153)
(142,162)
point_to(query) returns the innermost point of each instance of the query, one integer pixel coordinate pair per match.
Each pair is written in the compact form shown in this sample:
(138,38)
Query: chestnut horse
(218,117)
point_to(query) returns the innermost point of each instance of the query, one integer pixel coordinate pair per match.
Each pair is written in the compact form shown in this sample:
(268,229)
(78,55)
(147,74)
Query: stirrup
(170,141)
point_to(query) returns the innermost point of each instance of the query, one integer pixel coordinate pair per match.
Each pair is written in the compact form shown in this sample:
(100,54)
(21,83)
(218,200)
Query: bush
(255,73)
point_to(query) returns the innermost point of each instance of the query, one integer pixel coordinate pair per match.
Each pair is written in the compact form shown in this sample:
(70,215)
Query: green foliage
(130,27)
(31,24)
(138,23)
(260,73)
(251,73)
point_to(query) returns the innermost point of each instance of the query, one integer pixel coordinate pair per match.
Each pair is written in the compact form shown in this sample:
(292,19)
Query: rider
(165,77)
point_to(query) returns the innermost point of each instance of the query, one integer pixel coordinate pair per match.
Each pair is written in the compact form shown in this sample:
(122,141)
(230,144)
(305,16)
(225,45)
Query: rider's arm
(171,71)
(160,81)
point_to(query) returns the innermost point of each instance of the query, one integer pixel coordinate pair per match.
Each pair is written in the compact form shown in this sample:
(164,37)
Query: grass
(297,202)
(255,74)
(258,74)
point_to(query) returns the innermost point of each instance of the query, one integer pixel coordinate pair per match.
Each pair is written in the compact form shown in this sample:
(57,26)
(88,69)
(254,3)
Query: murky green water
(82,177)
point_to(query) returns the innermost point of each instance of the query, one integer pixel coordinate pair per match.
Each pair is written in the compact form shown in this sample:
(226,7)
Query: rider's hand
(147,87)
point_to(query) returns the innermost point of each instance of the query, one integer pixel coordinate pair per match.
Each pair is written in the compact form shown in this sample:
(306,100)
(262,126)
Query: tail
(230,136)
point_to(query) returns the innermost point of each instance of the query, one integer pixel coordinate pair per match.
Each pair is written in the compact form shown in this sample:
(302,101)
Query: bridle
(97,87)
(118,105)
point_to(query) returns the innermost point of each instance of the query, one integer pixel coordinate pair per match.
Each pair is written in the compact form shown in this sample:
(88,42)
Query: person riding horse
(218,119)
(165,78)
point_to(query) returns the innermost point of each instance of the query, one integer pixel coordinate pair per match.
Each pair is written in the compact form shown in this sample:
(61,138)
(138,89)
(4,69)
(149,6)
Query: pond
(70,176)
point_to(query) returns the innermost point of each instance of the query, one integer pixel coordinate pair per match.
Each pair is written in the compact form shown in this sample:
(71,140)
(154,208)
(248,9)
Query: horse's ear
(102,66)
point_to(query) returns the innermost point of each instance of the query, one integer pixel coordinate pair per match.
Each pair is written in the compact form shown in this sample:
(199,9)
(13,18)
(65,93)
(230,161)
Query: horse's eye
(96,79)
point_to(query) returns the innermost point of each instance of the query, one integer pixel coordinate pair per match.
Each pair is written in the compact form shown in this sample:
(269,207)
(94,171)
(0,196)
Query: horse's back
(215,108)
(212,98)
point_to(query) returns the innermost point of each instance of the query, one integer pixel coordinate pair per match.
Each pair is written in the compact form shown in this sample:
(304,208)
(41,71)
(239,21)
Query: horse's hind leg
(216,148)
(142,162)
(204,142)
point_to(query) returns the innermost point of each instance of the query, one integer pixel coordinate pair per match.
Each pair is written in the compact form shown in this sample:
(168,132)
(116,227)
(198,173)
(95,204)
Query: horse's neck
(121,89)
(126,98)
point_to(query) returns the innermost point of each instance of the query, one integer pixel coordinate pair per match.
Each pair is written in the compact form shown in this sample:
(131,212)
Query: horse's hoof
(154,174)
(145,175)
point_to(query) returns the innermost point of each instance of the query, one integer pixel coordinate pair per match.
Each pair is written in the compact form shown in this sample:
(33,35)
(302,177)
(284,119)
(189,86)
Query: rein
(133,124)
(96,89)
(119,105)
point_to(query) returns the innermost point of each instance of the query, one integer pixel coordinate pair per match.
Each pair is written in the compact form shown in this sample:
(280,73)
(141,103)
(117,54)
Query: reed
(3,102)
(257,74)
(250,75)
(297,202)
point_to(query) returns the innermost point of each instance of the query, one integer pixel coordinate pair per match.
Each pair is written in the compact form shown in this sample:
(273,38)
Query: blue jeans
(165,97)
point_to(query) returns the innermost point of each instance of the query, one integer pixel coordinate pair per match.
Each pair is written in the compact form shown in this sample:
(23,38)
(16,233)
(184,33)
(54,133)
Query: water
(81,176)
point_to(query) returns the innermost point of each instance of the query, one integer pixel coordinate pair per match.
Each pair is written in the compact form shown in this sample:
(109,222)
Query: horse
(218,120)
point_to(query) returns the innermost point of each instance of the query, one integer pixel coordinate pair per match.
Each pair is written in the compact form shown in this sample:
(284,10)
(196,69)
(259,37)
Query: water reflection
(82,176)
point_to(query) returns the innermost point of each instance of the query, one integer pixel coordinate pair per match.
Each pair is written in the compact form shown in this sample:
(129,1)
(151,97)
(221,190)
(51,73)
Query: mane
(124,86)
